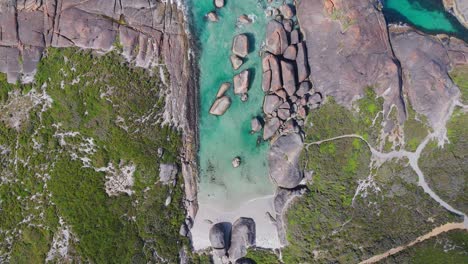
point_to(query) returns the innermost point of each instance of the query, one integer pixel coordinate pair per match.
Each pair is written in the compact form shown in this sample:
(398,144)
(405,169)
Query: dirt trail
(435,232)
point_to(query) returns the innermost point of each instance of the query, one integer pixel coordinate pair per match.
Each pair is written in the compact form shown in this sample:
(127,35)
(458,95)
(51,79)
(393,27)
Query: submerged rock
(241,82)
(212,16)
(244,19)
(240,45)
(220,105)
(284,161)
(236,62)
(242,237)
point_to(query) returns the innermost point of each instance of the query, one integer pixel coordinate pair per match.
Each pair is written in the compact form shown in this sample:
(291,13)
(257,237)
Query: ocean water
(427,15)
(225,137)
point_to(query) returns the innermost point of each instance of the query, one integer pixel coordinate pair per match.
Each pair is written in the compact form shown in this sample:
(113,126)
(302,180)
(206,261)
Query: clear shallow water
(427,15)
(225,137)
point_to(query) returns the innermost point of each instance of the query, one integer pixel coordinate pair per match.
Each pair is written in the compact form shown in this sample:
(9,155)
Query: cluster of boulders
(289,93)
(212,16)
(240,50)
(231,242)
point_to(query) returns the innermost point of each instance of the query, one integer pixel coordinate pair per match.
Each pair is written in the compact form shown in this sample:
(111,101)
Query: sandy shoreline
(266,232)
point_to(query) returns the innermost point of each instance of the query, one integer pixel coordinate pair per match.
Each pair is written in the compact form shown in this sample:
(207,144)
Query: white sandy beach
(266,233)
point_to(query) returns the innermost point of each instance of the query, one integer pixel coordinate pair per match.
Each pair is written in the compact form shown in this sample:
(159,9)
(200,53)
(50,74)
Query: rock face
(220,105)
(217,236)
(241,82)
(242,237)
(277,39)
(284,161)
(167,173)
(240,45)
(367,59)
(425,62)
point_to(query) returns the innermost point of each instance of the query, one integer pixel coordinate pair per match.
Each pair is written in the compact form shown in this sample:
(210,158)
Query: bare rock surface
(271,73)
(242,237)
(241,82)
(271,103)
(289,77)
(256,124)
(284,161)
(220,105)
(271,126)
(426,61)
(236,62)
(277,39)
(240,45)
(217,236)
(223,88)
(167,173)
(350,53)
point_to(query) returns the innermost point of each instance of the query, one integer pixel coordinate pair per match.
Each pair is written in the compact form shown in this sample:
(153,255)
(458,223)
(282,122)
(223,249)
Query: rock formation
(223,88)
(284,161)
(220,105)
(240,45)
(242,237)
(459,8)
(241,82)
(167,173)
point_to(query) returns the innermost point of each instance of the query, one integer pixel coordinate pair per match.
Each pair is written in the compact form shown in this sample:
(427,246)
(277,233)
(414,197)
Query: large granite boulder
(271,126)
(277,39)
(220,105)
(270,103)
(284,161)
(241,82)
(242,237)
(240,45)
(223,88)
(236,62)
(218,236)
(219,3)
(289,77)
(255,124)
(271,73)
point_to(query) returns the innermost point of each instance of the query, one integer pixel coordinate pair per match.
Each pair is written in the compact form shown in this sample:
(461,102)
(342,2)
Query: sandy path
(435,232)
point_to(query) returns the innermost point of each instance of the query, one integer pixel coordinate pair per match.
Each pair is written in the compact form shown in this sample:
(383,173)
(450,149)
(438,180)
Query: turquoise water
(225,137)
(427,15)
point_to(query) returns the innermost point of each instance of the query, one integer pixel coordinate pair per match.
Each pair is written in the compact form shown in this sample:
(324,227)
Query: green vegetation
(459,75)
(262,256)
(335,120)
(103,113)
(447,248)
(449,181)
(355,209)
(415,129)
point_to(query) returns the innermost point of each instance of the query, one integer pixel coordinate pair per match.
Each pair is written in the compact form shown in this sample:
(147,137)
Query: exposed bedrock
(348,53)
(150,32)
(459,8)
(426,61)
(284,161)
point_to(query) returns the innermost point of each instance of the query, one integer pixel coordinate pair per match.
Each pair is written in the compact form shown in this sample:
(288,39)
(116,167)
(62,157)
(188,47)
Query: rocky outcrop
(277,40)
(220,105)
(426,61)
(284,161)
(459,8)
(349,52)
(271,126)
(242,237)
